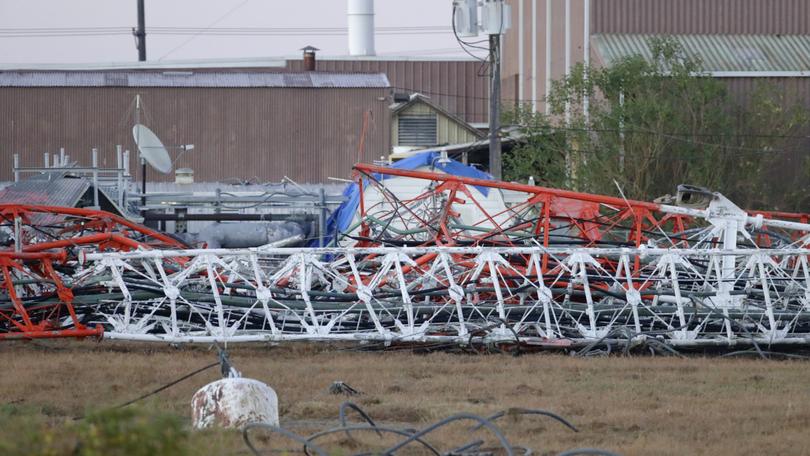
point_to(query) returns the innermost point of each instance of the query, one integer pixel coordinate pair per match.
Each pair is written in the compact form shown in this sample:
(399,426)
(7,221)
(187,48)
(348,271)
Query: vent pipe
(361,27)
(309,58)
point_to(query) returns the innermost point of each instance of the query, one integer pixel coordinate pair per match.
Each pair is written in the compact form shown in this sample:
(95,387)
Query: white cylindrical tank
(233,403)
(360,14)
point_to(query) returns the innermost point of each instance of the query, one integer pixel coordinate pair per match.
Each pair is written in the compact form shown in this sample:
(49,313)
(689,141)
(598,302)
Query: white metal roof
(722,55)
(190,79)
(253,62)
(249,62)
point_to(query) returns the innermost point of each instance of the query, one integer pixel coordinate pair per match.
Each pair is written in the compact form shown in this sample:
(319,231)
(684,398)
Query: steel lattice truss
(462,295)
(451,262)
(38,291)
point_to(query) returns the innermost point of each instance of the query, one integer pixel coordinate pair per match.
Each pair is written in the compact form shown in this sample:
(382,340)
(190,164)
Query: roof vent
(309,57)
(401,97)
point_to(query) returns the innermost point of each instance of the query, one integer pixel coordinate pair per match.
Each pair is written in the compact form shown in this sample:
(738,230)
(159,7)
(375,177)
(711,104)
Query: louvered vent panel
(417,130)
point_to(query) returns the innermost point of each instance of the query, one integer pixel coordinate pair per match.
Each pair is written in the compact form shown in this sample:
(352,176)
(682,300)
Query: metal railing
(114,181)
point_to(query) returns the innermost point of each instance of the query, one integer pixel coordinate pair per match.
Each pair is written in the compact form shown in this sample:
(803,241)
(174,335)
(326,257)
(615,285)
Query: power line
(450,50)
(214,31)
(463,43)
(208,27)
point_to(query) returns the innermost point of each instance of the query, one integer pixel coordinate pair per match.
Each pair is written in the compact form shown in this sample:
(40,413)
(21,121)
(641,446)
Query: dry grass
(633,406)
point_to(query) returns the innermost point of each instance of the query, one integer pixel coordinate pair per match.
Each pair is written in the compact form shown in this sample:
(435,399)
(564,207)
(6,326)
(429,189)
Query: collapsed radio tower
(458,260)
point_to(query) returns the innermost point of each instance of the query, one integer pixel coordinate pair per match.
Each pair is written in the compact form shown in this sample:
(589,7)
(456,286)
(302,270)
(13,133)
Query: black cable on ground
(164,387)
(587,451)
(278,430)
(357,409)
(524,411)
(411,436)
(168,385)
(457,417)
(364,427)
(764,352)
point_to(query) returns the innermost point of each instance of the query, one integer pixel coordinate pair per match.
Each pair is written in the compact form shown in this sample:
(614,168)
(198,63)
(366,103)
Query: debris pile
(429,257)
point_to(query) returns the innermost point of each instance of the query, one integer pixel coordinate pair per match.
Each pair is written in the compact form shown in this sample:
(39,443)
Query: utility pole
(495,22)
(495,105)
(140,33)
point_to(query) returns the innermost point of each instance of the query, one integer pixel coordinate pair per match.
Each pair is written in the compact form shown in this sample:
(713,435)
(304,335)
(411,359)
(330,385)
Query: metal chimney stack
(309,57)
(360,14)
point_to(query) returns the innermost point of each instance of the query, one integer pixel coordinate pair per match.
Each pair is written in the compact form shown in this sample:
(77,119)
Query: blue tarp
(341,219)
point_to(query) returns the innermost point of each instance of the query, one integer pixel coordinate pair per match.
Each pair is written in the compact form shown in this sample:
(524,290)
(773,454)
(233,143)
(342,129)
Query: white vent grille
(417,130)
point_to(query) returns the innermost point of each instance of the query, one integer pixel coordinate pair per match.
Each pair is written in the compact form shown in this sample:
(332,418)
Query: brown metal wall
(453,85)
(792,90)
(787,17)
(306,134)
(637,16)
(786,169)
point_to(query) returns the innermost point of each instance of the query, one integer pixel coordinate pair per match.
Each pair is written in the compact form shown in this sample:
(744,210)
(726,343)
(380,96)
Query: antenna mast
(138,141)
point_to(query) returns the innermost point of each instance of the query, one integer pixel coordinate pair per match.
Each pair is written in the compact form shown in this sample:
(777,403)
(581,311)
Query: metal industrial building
(455,84)
(245,126)
(249,119)
(550,36)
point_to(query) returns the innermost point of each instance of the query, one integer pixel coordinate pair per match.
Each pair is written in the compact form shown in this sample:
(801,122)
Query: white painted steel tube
(265,337)
(799,339)
(534,55)
(547,90)
(126,163)
(16,163)
(586,52)
(94,155)
(596,252)
(119,175)
(567,55)
(360,15)
(788,225)
(521,39)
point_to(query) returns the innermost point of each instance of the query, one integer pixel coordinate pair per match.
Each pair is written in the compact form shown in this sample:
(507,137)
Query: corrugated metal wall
(784,17)
(786,170)
(257,134)
(454,85)
(534,70)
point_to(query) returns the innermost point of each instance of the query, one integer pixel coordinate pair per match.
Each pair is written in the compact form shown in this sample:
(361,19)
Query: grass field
(633,406)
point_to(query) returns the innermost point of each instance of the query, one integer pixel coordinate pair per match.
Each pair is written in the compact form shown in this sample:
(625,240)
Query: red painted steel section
(589,217)
(610,200)
(40,304)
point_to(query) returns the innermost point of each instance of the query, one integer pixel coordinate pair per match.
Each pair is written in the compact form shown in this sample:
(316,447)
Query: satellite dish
(152,150)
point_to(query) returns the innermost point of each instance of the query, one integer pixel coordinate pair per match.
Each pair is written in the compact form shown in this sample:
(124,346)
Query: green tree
(653,124)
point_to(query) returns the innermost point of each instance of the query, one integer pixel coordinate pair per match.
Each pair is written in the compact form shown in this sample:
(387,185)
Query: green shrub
(129,431)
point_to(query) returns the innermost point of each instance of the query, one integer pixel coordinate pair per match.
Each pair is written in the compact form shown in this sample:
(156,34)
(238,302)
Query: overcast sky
(122,15)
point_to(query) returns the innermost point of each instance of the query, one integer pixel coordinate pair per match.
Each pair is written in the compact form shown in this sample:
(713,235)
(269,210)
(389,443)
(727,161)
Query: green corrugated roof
(718,52)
